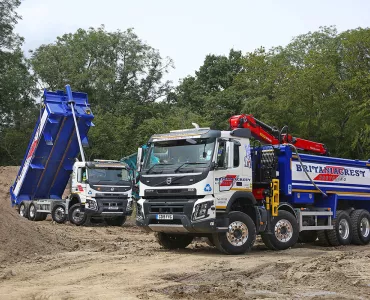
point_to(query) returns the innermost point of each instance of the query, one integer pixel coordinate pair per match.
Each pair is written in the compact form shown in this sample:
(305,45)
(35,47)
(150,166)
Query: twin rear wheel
(348,228)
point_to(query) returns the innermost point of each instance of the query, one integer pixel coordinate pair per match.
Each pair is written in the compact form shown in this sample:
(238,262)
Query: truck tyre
(360,219)
(22,210)
(117,221)
(58,214)
(76,216)
(321,234)
(284,232)
(32,212)
(173,241)
(33,215)
(239,238)
(307,236)
(342,232)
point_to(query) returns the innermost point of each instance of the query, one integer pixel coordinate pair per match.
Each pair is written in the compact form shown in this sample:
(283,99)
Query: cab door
(227,170)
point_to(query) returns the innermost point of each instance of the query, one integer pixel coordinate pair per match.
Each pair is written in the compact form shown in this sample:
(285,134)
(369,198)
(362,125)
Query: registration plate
(164,217)
(113,207)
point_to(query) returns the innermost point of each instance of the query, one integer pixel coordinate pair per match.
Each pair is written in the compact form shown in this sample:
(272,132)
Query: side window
(81,175)
(236,155)
(222,155)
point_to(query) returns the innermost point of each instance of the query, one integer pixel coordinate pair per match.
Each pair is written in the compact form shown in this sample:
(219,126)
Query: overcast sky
(188,30)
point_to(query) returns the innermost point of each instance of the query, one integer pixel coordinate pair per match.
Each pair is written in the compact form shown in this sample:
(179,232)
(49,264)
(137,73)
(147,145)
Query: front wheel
(58,214)
(76,215)
(285,232)
(117,221)
(173,241)
(240,236)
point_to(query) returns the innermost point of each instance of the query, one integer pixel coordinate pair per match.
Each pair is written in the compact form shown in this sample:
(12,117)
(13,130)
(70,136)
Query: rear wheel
(342,232)
(240,236)
(58,214)
(360,219)
(117,221)
(285,232)
(76,216)
(23,212)
(307,236)
(173,241)
(34,215)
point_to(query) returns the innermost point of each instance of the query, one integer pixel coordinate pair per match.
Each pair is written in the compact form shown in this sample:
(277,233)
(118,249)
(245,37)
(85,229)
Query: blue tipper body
(53,148)
(340,179)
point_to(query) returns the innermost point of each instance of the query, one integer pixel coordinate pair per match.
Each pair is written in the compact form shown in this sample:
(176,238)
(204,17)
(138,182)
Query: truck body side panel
(48,162)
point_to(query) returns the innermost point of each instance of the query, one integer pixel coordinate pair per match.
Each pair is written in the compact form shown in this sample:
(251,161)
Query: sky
(188,30)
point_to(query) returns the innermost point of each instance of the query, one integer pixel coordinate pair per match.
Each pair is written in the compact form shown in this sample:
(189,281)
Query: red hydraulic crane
(271,135)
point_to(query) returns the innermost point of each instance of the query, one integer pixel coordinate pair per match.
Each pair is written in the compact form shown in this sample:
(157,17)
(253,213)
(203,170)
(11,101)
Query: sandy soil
(42,260)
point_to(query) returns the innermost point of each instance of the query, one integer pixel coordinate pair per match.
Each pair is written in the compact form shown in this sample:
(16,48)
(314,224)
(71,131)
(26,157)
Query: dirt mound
(20,238)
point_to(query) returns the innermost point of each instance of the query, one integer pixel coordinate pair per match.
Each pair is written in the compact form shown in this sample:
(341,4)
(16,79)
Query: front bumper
(110,208)
(181,222)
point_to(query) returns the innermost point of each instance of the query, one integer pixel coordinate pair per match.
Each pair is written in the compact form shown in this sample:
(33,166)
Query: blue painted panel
(48,161)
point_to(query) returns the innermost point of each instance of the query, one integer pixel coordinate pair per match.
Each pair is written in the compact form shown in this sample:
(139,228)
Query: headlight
(139,212)
(129,204)
(91,204)
(201,210)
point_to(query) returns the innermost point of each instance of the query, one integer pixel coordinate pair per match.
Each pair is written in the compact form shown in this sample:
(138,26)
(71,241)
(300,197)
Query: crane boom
(271,135)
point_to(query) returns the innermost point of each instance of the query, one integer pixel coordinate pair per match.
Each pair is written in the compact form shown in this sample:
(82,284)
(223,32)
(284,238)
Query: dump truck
(219,185)
(97,189)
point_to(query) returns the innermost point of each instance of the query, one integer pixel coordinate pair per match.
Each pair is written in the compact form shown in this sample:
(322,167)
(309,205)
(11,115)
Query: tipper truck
(98,189)
(216,184)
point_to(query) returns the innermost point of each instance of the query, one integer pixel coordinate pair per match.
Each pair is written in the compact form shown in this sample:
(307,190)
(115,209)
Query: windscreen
(108,176)
(179,154)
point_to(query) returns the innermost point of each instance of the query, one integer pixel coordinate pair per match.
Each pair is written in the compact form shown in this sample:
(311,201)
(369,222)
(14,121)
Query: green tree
(17,89)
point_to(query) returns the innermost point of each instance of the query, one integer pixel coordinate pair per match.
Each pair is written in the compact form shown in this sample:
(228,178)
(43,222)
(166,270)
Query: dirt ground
(42,260)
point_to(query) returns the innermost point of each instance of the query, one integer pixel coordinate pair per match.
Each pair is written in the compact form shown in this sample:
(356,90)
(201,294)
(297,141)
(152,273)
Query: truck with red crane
(216,184)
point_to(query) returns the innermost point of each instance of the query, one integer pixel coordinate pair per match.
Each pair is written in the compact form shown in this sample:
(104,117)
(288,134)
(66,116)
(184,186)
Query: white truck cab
(188,180)
(100,189)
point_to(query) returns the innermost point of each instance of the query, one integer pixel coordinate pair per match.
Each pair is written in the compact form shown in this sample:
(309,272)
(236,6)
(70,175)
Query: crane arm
(271,135)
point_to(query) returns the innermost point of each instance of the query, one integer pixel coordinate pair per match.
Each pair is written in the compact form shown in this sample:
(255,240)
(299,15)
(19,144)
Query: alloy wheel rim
(283,230)
(365,227)
(343,229)
(237,234)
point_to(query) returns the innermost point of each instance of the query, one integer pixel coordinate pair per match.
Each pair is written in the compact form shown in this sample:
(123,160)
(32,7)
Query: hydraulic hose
(304,170)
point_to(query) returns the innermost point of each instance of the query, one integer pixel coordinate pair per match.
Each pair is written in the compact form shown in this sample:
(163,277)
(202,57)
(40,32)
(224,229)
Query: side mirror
(213,166)
(139,159)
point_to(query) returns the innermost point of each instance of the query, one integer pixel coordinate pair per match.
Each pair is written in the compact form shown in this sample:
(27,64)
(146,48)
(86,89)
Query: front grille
(166,209)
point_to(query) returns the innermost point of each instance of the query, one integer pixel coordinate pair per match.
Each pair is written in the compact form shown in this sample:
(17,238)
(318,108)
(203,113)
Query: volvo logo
(112,189)
(169,180)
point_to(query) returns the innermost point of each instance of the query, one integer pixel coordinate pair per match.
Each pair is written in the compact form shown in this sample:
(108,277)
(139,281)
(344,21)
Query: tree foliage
(17,89)
(318,85)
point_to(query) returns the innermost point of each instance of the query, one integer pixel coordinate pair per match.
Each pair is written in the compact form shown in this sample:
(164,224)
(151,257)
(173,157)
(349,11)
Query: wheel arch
(75,198)
(287,207)
(244,202)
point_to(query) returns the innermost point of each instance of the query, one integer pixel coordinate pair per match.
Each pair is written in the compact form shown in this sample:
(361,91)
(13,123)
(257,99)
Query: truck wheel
(23,211)
(173,241)
(58,214)
(33,215)
(307,236)
(76,216)
(360,219)
(32,212)
(241,235)
(117,221)
(321,234)
(342,233)
(285,232)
